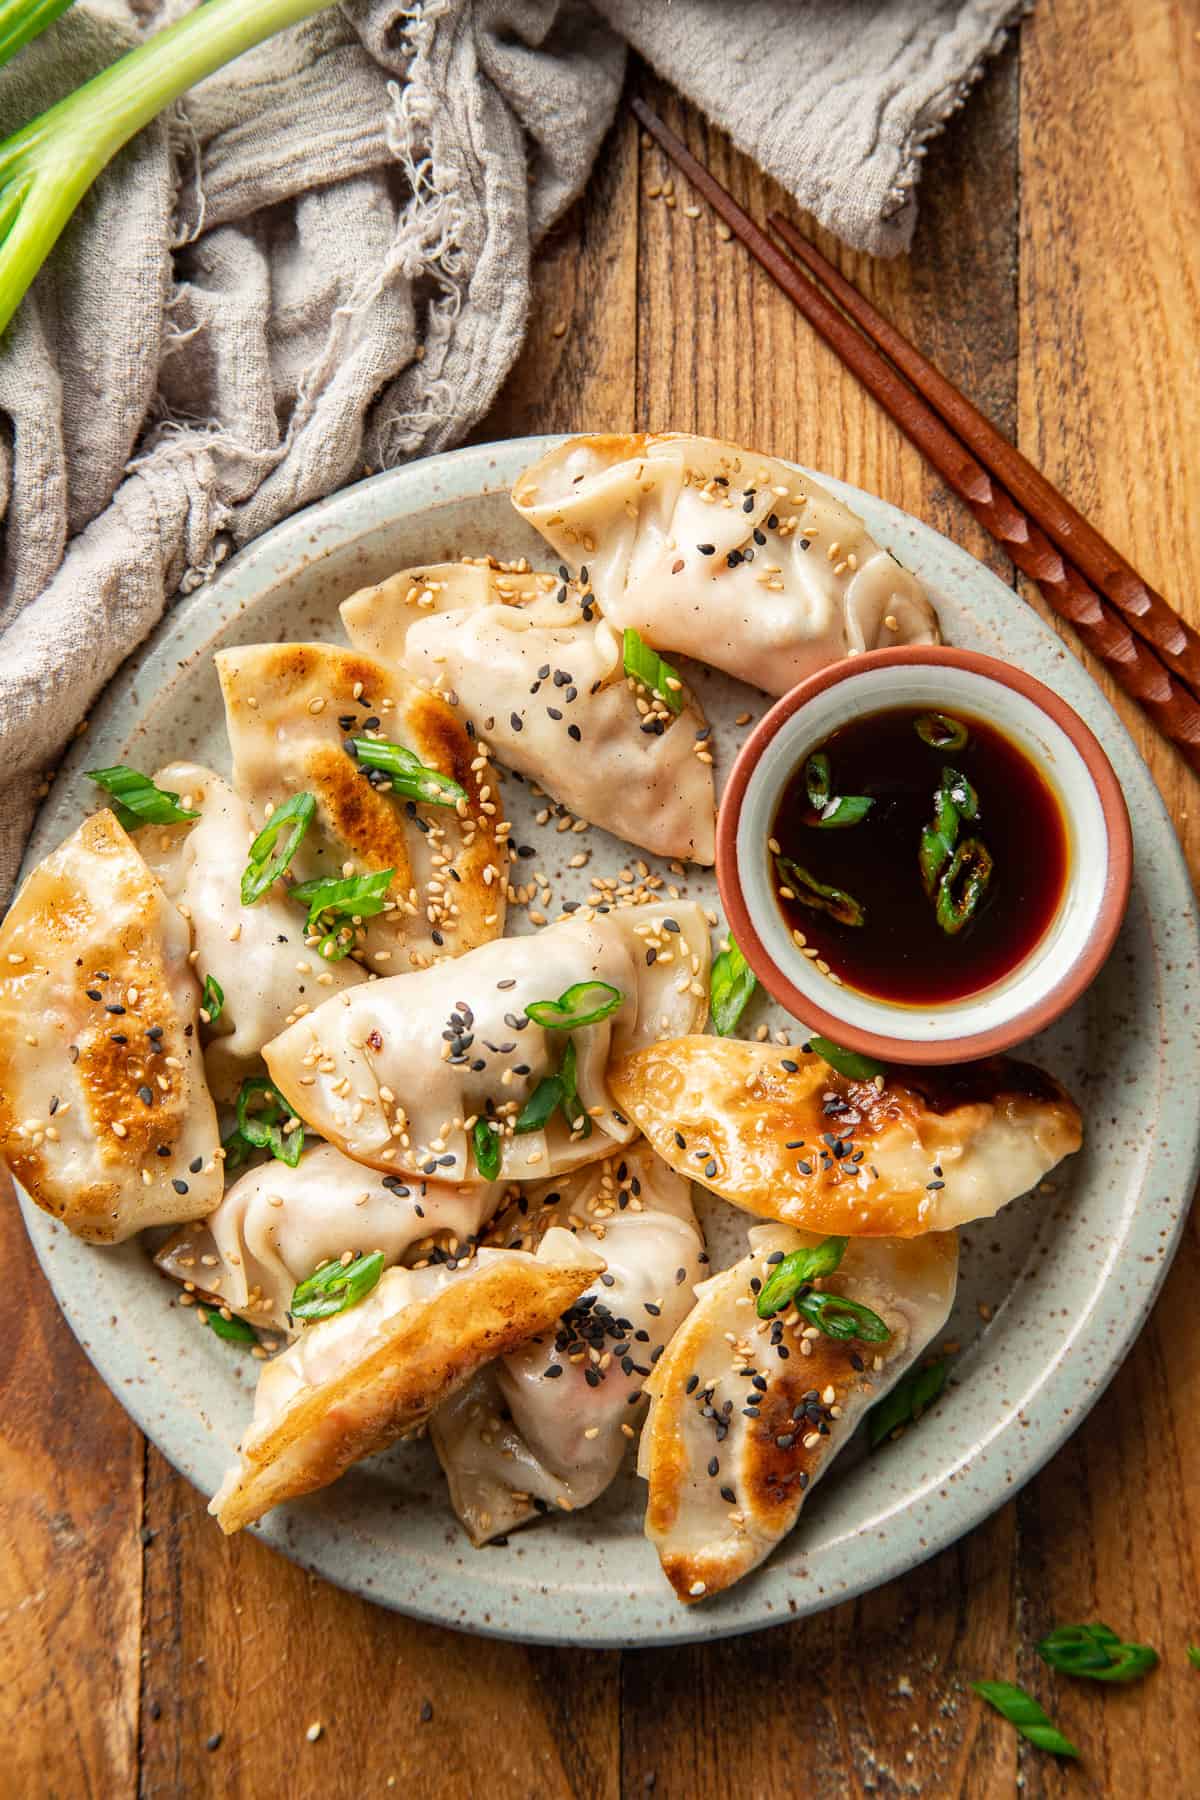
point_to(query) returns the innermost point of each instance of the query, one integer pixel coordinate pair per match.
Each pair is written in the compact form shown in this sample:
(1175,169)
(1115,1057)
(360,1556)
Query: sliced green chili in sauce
(941,732)
(136,801)
(336,1287)
(956,875)
(810,892)
(267,863)
(834,811)
(409,774)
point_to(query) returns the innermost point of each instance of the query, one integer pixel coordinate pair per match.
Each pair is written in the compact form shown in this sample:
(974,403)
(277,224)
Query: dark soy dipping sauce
(901,953)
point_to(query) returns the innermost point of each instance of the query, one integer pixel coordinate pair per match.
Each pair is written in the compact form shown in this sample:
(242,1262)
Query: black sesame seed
(146,1096)
(180,1186)
(692,1384)
(714,1465)
(573,731)
(553,1372)
(707,549)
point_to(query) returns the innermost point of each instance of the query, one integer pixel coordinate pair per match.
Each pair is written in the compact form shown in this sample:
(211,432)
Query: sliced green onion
(486,1143)
(574,1110)
(233,1330)
(1096,1652)
(963,885)
(136,800)
(1021,1710)
(731,987)
(962,794)
(840,1318)
(23,20)
(647,666)
(938,840)
(846,1062)
(340,903)
(1193,1655)
(940,731)
(263,1129)
(212,1000)
(813,893)
(538,1110)
(798,1267)
(409,774)
(904,1405)
(336,1287)
(849,809)
(237,1151)
(818,781)
(584,1003)
(267,863)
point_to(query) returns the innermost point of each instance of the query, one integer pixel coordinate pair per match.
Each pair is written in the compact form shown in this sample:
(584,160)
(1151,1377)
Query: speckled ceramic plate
(1052,1292)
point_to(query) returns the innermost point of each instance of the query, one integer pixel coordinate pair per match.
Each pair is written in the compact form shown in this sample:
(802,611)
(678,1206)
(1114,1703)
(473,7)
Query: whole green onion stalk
(48,166)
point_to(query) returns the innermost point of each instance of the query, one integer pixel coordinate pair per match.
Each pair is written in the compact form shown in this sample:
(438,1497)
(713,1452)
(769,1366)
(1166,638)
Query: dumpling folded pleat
(747,1414)
(104,1114)
(291,711)
(780,1133)
(722,554)
(352,1384)
(543,681)
(547,1427)
(276,1224)
(256,954)
(395,1072)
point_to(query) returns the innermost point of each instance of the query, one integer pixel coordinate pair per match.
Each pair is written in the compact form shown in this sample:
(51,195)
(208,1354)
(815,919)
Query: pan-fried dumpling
(396,1072)
(722,554)
(547,1427)
(354,1383)
(291,711)
(277,1224)
(104,1115)
(543,681)
(746,1413)
(781,1134)
(257,954)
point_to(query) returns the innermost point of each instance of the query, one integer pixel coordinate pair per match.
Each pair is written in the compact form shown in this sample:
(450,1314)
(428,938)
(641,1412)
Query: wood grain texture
(1055,277)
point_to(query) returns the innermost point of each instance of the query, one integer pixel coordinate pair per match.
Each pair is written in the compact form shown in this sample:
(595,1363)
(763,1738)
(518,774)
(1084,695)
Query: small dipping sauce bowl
(1058,966)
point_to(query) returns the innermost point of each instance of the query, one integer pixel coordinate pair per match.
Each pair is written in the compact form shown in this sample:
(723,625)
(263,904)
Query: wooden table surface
(1056,277)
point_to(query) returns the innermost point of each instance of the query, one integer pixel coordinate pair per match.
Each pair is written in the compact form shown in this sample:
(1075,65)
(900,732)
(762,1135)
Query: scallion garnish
(941,732)
(840,1318)
(963,885)
(817,780)
(136,800)
(233,1329)
(1021,1710)
(574,1110)
(833,811)
(339,903)
(1193,1655)
(647,666)
(798,1267)
(583,1003)
(847,809)
(955,875)
(336,1287)
(731,987)
(267,863)
(1096,1652)
(409,774)
(912,1395)
(211,1000)
(810,892)
(541,1105)
(486,1144)
(847,1062)
(264,1127)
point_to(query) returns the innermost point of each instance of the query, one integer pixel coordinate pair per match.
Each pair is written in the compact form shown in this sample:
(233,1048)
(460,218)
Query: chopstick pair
(1153,654)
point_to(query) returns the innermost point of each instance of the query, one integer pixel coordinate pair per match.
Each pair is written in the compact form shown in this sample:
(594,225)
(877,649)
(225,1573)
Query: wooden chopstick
(1143,609)
(1134,664)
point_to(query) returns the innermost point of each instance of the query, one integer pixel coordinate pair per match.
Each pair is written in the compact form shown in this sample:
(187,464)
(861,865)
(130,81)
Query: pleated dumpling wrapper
(546,1428)
(257,955)
(104,1114)
(782,1134)
(542,679)
(722,554)
(295,713)
(352,1384)
(396,1073)
(277,1224)
(746,1414)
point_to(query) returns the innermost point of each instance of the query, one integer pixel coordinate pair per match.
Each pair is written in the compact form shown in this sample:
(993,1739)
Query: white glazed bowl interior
(1047,746)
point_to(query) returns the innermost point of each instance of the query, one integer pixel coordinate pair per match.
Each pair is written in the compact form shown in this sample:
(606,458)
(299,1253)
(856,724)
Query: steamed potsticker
(495,1065)
(782,1134)
(747,1413)
(542,679)
(546,1428)
(722,554)
(104,1115)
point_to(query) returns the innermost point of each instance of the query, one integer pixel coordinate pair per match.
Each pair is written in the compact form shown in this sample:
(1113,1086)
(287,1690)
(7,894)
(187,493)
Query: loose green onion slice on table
(136,800)
(1193,1655)
(574,1111)
(212,1000)
(731,987)
(486,1144)
(840,1318)
(906,1402)
(810,892)
(647,666)
(336,1287)
(1096,1652)
(409,774)
(541,1105)
(1023,1711)
(847,1062)
(963,885)
(339,903)
(264,1127)
(798,1267)
(941,732)
(233,1330)
(583,1003)
(267,861)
